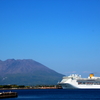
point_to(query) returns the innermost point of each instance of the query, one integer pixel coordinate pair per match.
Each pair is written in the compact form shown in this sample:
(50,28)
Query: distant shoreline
(31,88)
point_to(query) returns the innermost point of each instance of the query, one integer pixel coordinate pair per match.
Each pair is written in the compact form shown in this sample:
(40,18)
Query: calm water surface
(55,94)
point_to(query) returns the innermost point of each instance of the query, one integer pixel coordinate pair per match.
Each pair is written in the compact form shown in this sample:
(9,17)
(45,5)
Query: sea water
(55,94)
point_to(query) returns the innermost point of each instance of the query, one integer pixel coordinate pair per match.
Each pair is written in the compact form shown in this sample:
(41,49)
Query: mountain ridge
(27,72)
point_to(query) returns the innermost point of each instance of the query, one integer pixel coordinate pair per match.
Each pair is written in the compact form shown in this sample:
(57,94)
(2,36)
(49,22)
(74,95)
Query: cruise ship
(75,81)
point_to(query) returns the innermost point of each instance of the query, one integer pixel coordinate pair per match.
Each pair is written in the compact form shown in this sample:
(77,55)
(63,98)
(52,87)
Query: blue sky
(64,35)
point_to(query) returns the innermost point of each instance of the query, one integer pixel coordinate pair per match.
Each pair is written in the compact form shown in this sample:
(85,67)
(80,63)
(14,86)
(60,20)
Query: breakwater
(8,94)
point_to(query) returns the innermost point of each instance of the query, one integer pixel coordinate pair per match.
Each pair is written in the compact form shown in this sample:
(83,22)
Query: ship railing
(88,79)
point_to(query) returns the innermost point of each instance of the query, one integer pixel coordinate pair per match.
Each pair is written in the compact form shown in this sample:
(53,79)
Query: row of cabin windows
(89,83)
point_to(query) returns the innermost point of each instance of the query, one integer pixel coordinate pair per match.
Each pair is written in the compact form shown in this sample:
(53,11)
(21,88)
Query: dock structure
(8,94)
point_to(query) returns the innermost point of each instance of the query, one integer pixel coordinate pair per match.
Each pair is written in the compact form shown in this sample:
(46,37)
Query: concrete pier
(8,94)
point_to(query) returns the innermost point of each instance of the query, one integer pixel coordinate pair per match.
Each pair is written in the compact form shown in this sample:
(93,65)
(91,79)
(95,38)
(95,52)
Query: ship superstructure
(75,81)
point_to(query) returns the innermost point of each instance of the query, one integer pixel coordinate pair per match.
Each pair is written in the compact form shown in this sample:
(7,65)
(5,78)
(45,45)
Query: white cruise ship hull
(70,86)
(76,82)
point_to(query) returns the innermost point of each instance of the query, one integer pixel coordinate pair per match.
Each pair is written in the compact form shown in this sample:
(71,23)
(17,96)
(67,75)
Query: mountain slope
(27,72)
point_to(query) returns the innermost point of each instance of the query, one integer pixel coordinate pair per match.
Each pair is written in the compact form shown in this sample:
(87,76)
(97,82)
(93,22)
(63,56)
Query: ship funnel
(91,75)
